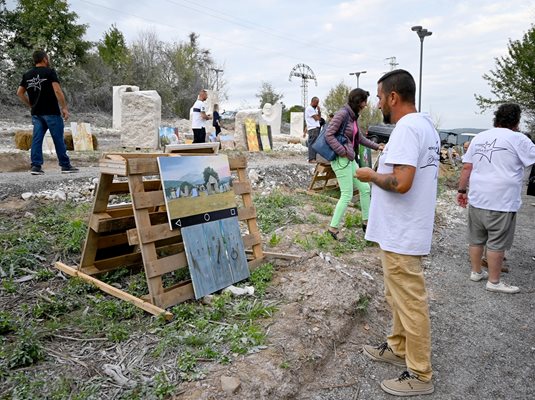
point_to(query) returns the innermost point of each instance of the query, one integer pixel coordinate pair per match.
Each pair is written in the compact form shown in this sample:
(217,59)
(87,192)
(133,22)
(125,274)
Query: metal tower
(305,73)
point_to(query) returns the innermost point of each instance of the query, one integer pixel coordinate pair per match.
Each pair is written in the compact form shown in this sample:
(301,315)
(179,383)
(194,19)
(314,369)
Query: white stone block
(297,121)
(272,116)
(117,93)
(141,119)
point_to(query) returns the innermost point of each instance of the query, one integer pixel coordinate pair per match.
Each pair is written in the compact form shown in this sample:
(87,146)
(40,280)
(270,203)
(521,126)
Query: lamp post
(217,71)
(357,74)
(422,33)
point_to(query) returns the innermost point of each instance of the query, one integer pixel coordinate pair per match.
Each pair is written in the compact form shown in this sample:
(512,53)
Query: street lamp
(217,71)
(422,33)
(357,75)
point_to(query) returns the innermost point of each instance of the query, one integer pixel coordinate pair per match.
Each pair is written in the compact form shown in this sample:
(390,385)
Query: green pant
(345,173)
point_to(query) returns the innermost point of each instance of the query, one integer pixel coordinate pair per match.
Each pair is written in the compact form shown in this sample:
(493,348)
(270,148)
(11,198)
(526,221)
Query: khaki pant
(406,294)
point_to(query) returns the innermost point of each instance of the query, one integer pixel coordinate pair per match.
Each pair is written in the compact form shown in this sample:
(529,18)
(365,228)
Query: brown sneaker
(383,353)
(407,385)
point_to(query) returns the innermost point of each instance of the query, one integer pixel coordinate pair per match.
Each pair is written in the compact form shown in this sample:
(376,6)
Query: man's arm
(462,197)
(399,181)
(61,100)
(205,116)
(21,93)
(317,116)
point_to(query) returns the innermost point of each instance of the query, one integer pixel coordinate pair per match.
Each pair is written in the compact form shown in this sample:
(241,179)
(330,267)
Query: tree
(267,94)
(209,171)
(513,78)
(114,51)
(336,98)
(371,115)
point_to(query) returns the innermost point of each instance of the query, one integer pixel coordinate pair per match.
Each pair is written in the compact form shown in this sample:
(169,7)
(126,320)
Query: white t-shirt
(403,223)
(311,123)
(196,120)
(498,157)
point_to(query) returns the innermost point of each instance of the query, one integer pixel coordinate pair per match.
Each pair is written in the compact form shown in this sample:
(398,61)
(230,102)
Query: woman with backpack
(345,165)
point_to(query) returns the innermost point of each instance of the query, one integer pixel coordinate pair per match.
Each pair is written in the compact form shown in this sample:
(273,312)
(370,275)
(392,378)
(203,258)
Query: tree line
(88,70)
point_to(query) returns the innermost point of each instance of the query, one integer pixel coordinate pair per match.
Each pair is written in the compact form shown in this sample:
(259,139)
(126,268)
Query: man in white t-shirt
(198,118)
(312,120)
(493,171)
(401,221)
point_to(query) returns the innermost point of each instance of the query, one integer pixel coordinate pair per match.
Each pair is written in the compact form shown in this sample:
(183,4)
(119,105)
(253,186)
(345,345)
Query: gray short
(494,229)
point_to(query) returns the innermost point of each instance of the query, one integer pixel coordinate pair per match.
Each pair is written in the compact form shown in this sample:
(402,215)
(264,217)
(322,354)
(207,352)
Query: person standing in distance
(40,90)
(401,221)
(312,120)
(199,117)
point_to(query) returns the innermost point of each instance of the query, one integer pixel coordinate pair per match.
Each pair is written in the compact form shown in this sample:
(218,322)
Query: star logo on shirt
(35,82)
(487,149)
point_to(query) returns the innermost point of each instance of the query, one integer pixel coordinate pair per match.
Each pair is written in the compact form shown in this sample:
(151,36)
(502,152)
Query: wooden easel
(137,232)
(323,179)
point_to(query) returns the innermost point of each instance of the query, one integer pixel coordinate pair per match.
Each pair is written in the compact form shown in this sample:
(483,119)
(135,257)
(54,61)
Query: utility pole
(392,62)
(422,34)
(217,71)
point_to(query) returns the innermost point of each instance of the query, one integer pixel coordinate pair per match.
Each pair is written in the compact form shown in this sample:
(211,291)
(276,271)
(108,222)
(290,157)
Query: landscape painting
(197,189)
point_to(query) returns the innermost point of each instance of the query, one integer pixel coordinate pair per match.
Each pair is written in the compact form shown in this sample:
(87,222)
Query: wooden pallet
(137,232)
(323,179)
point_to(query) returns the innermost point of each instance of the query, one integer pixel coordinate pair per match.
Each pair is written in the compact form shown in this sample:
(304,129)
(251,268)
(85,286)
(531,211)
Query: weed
(324,208)
(162,386)
(117,333)
(7,323)
(45,274)
(51,308)
(313,219)
(275,210)
(261,277)
(274,240)
(9,286)
(362,303)
(285,365)
(26,350)
(352,220)
(186,362)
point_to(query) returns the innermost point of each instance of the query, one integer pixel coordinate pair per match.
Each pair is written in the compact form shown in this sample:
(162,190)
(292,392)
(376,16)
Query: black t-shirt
(38,85)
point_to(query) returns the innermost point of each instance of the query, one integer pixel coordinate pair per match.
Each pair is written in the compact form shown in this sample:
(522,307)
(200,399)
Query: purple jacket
(347,150)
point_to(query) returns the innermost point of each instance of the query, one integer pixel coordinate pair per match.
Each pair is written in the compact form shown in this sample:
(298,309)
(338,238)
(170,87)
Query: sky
(263,40)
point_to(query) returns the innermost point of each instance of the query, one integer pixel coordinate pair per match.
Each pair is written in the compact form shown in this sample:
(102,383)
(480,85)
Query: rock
(253,176)
(230,384)
(26,195)
(59,195)
(237,291)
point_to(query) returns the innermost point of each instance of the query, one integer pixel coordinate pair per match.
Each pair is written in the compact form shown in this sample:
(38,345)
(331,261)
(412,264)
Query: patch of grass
(117,333)
(25,350)
(261,277)
(352,220)
(324,208)
(324,242)
(275,210)
(9,286)
(7,323)
(312,219)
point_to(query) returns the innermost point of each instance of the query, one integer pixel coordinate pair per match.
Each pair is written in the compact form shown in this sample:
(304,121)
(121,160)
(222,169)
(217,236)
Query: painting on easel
(197,189)
(201,203)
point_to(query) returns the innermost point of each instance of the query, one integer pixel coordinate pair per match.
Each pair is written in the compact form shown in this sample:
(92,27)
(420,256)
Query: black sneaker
(69,170)
(36,170)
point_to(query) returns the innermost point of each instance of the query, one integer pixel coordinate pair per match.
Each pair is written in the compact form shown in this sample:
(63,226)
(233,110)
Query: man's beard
(386,118)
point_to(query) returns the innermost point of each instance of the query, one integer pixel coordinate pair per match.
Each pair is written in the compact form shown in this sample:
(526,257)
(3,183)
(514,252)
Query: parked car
(456,137)
(228,114)
(380,133)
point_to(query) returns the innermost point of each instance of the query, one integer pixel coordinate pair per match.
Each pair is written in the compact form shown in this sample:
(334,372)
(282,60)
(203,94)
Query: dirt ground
(483,343)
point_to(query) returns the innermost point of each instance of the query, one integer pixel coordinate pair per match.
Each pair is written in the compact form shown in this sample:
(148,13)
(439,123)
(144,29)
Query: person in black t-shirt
(40,90)
(216,120)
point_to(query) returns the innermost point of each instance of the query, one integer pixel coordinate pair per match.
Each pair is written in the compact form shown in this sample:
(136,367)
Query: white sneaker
(502,287)
(477,276)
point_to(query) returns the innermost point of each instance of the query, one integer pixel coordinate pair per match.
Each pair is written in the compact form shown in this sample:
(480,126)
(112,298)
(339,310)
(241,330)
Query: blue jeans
(54,123)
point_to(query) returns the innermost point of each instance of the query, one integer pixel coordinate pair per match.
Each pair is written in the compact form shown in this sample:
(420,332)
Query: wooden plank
(124,260)
(241,188)
(166,265)
(257,262)
(148,251)
(143,166)
(176,294)
(271,255)
(144,305)
(206,148)
(236,163)
(148,199)
(245,213)
(252,239)
(157,232)
(117,239)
